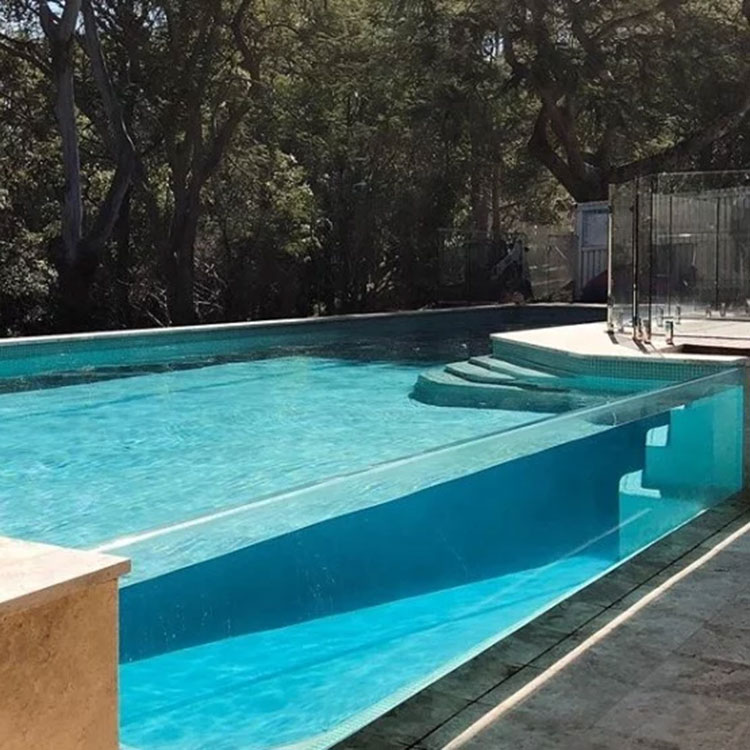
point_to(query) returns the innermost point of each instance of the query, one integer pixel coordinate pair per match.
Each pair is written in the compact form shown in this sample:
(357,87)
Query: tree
(254,158)
(80,245)
(614,102)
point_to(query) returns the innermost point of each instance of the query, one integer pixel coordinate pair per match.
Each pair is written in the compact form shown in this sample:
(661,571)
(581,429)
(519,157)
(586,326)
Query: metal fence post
(636,252)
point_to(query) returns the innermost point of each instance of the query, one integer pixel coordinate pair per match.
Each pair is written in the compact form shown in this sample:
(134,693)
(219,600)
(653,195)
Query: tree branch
(677,154)
(608,28)
(539,147)
(20,49)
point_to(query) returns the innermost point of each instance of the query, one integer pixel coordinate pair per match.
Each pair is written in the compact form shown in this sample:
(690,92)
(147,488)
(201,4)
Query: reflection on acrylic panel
(346,617)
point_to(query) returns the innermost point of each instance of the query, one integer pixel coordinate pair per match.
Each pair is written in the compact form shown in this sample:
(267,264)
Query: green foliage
(26,277)
(302,157)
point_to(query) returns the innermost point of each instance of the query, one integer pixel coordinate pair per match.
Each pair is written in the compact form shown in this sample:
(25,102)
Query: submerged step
(513,370)
(475,374)
(562,380)
(658,437)
(696,449)
(440,388)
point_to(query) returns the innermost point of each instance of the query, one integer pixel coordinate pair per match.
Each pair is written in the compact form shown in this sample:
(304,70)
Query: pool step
(489,382)
(563,380)
(439,387)
(518,372)
(696,449)
(478,374)
(475,374)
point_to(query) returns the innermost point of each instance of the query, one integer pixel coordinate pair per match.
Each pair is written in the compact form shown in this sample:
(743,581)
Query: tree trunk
(77,256)
(60,35)
(122,263)
(74,285)
(178,270)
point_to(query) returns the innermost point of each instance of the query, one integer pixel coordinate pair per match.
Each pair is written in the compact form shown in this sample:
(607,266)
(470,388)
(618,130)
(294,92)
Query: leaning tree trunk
(78,255)
(60,35)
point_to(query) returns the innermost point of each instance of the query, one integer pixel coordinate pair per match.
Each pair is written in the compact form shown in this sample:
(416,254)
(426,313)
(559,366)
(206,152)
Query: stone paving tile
(714,641)
(364,741)
(665,552)
(717,579)
(691,722)
(619,583)
(627,659)
(642,641)
(677,559)
(510,686)
(569,615)
(478,676)
(508,733)
(736,612)
(741,545)
(733,562)
(526,644)
(574,700)
(565,646)
(553,655)
(704,591)
(712,678)
(521,733)
(645,588)
(694,533)
(409,722)
(448,731)
(663,625)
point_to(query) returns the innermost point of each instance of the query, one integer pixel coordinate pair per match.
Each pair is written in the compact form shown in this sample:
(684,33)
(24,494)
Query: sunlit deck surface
(724,337)
(608,668)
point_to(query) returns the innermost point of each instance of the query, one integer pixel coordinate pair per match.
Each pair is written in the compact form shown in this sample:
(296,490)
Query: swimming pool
(174,426)
(310,545)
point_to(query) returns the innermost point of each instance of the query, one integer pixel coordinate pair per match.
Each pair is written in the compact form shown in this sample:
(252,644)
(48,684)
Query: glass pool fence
(680,255)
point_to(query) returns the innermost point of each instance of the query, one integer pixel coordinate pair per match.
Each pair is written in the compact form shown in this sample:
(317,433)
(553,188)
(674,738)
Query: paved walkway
(664,667)
(675,674)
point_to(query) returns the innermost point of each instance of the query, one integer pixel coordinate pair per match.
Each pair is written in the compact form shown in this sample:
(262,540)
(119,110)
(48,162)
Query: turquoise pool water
(293,686)
(113,437)
(83,464)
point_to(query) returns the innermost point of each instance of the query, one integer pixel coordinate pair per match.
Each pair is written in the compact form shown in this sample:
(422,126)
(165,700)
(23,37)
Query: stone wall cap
(32,574)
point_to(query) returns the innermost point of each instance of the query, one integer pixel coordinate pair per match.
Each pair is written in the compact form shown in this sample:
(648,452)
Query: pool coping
(587,349)
(253,325)
(34,574)
(449,705)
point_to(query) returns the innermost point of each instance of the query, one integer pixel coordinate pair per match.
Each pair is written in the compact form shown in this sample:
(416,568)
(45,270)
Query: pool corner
(58,619)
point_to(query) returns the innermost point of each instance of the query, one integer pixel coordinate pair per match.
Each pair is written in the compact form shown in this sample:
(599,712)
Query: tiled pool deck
(608,668)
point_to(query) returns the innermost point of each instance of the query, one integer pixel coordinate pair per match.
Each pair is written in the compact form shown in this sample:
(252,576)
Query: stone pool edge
(276,323)
(58,647)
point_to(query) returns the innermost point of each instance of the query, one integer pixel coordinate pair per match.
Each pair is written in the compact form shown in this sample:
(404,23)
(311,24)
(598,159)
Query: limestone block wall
(58,648)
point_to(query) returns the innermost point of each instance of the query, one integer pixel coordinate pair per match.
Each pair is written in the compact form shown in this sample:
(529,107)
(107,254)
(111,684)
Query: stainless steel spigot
(669,327)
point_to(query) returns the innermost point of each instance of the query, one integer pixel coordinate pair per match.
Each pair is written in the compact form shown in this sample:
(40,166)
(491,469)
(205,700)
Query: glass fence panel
(622,199)
(691,252)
